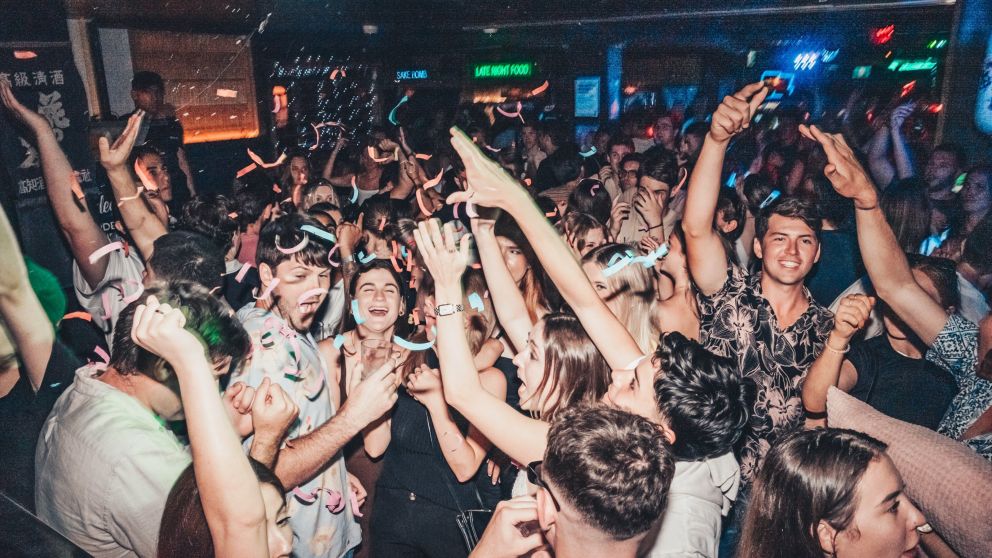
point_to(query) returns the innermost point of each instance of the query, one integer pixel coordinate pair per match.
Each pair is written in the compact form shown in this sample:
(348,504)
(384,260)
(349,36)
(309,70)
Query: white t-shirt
(105,300)
(104,469)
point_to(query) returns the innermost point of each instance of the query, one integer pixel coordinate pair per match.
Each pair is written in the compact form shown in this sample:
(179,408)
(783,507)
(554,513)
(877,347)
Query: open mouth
(789,264)
(378,311)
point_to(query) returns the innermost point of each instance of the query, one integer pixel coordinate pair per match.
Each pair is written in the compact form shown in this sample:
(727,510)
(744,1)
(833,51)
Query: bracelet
(815,415)
(651,228)
(827,345)
(866,208)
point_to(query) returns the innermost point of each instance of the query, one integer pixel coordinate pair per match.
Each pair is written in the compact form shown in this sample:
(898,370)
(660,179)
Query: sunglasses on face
(534,477)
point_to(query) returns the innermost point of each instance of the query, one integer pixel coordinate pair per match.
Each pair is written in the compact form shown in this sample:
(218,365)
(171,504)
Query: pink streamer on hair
(268,290)
(372,156)
(104,250)
(146,179)
(102,354)
(302,244)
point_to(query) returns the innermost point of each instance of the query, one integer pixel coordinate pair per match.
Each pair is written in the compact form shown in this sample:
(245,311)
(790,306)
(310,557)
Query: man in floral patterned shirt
(766,321)
(952,339)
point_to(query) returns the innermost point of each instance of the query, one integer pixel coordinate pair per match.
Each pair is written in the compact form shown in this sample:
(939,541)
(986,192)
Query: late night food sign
(503,70)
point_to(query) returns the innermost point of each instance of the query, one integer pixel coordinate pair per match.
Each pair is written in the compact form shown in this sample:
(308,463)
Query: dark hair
(662,167)
(954,149)
(250,203)
(757,188)
(907,209)
(348,321)
(620,140)
(285,232)
(184,532)
(943,274)
(633,157)
(143,81)
(590,197)
(375,211)
(701,395)
(612,466)
(697,129)
(565,164)
(809,477)
(538,290)
(576,225)
(188,256)
(977,252)
(833,207)
(730,206)
(207,316)
(140,151)
(211,217)
(793,208)
(559,132)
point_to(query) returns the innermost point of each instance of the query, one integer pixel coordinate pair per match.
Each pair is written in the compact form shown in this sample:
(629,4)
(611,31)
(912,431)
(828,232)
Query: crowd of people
(503,343)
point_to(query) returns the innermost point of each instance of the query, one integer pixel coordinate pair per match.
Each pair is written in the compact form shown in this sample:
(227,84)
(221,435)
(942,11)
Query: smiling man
(766,321)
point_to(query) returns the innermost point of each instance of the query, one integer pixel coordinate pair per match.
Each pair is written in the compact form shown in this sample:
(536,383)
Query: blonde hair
(632,294)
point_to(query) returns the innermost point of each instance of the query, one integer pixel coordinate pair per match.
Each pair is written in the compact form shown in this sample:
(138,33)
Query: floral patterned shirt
(956,350)
(323,528)
(738,322)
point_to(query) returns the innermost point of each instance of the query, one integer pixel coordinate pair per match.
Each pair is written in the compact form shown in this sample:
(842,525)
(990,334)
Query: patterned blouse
(956,350)
(739,323)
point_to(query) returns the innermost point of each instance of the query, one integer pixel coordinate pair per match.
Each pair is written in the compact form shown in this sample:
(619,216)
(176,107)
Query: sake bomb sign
(43,77)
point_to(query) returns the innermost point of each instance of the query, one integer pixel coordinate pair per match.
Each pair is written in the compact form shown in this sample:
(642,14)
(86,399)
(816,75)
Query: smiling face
(885,521)
(788,250)
(319,194)
(296,279)
(379,301)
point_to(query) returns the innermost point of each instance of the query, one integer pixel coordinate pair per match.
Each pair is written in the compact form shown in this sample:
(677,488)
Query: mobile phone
(780,83)
(959,183)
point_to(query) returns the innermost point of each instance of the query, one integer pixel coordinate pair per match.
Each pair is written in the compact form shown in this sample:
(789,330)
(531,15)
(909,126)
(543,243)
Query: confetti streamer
(242,272)
(683,176)
(382,223)
(232,215)
(104,250)
(277,101)
(595,186)
(392,258)
(365,259)
(146,179)
(330,254)
(420,202)
(258,160)
(540,89)
(416,316)
(411,346)
(587,154)
(371,151)
(339,341)
(78,316)
(309,293)
(356,312)
(434,181)
(276,189)
(454,209)
(105,299)
(475,301)
(137,194)
(771,197)
(321,233)
(528,182)
(470,210)
(514,114)
(268,290)
(102,354)
(227,93)
(246,170)
(618,262)
(392,113)
(353,496)
(77,190)
(302,244)
(25,54)
(423,156)
(354,189)
(316,141)
(128,299)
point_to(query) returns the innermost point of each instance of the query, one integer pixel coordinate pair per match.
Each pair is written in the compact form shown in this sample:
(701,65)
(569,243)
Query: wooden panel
(195,69)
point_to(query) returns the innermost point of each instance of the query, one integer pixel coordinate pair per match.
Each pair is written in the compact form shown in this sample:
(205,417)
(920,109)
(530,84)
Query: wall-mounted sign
(917,65)
(503,70)
(587,97)
(407,75)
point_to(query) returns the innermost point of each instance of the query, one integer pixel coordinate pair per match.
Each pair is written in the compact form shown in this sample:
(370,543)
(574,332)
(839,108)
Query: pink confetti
(434,181)
(102,354)
(242,272)
(268,290)
(136,195)
(303,496)
(146,179)
(258,160)
(104,250)
(371,151)
(307,294)
(105,299)
(128,299)
(420,202)
(80,315)
(470,210)
(278,103)
(541,88)
(423,156)
(316,141)
(331,253)
(302,244)
(454,209)
(25,54)
(354,504)
(246,170)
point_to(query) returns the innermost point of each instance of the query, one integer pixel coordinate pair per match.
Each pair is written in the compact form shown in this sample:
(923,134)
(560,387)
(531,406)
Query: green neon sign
(900,65)
(503,70)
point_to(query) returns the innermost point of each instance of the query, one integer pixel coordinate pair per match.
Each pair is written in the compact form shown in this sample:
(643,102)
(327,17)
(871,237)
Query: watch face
(447,309)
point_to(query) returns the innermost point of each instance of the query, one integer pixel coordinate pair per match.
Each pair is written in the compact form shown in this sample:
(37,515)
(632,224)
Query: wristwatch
(448,309)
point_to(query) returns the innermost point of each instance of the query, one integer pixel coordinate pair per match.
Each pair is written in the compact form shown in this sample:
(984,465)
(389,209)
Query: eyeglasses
(626,172)
(534,477)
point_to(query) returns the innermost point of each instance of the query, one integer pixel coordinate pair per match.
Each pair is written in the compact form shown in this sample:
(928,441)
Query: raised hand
(238,400)
(272,411)
(618,214)
(372,397)
(735,112)
(513,531)
(445,260)
(851,316)
(488,183)
(647,206)
(34,121)
(159,329)
(425,386)
(900,114)
(843,170)
(115,157)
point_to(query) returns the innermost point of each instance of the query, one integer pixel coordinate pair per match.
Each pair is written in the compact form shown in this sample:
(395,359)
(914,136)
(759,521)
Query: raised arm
(464,454)
(831,368)
(879,163)
(20,309)
(488,185)
(707,258)
(511,310)
(141,222)
(520,437)
(328,171)
(229,492)
(71,213)
(900,148)
(884,259)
